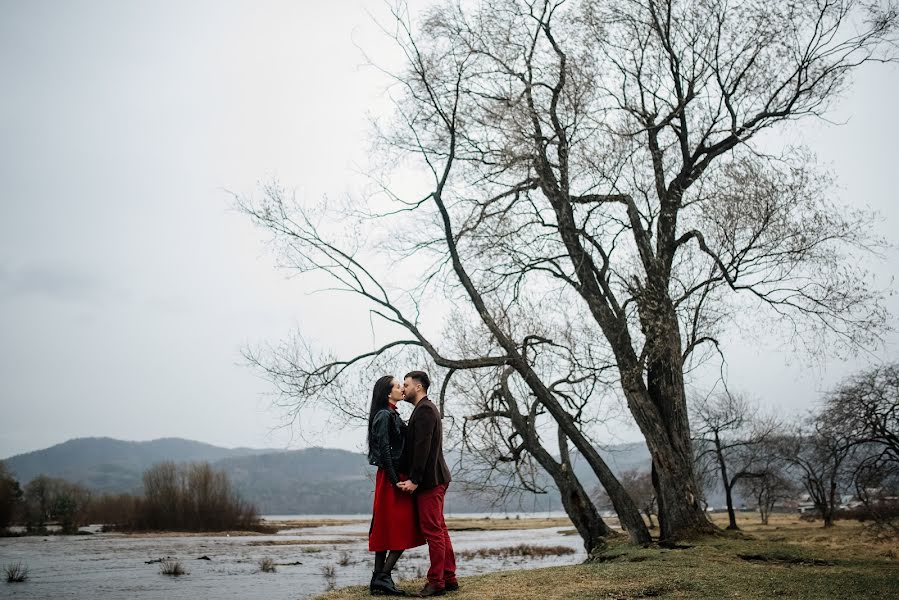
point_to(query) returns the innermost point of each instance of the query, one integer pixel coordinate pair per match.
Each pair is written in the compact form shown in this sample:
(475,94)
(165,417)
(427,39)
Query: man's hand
(407,486)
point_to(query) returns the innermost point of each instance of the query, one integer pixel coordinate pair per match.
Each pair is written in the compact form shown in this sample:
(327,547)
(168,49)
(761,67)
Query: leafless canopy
(866,406)
(731,440)
(599,168)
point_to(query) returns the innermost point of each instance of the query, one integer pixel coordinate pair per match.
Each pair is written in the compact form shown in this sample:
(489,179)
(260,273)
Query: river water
(113,566)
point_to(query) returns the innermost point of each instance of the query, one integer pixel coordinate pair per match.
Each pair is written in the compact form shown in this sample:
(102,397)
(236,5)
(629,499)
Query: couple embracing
(410,485)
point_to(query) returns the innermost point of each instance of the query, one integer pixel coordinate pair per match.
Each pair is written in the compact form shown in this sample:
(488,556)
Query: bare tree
(190,497)
(602,154)
(304,376)
(639,487)
(774,484)
(732,438)
(10,496)
(876,480)
(819,454)
(867,405)
(53,499)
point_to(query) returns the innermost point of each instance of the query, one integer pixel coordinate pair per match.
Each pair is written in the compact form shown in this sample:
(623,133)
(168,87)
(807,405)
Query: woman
(394,524)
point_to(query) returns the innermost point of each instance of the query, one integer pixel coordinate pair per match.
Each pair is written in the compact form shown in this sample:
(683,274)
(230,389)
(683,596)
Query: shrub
(16,573)
(267,565)
(193,497)
(172,567)
(329,572)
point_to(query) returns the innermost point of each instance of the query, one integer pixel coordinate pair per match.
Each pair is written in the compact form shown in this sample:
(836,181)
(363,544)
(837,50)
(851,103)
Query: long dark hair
(383,387)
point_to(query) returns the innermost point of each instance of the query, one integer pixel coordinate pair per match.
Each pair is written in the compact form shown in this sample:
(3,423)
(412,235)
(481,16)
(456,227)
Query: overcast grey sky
(127,285)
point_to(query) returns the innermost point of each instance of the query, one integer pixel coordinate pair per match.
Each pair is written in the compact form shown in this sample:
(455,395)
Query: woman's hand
(407,486)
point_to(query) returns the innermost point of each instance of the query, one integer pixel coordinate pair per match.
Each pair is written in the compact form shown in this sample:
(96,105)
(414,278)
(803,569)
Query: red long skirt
(394,521)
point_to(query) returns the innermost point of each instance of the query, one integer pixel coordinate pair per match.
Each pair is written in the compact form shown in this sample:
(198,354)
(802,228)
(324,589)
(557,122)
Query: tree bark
(680,513)
(726,484)
(659,404)
(832,507)
(628,514)
(668,435)
(577,503)
(583,513)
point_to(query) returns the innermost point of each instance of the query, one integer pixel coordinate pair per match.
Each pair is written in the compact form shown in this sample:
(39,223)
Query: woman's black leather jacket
(386,441)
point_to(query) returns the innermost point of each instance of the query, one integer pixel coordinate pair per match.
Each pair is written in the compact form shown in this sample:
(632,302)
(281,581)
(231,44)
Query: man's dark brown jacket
(424,445)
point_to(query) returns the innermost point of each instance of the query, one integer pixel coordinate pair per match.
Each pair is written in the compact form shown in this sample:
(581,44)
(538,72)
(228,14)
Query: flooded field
(308,560)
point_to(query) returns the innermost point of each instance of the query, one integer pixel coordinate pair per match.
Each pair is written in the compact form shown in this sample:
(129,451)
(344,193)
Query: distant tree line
(848,446)
(191,497)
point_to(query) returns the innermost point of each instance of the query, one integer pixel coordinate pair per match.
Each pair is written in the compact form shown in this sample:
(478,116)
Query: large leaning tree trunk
(505,423)
(601,154)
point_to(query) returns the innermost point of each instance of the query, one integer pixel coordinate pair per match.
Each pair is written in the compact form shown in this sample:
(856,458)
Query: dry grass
(525,550)
(16,573)
(329,572)
(174,534)
(173,568)
(454,524)
(502,524)
(788,558)
(303,542)
(304,523)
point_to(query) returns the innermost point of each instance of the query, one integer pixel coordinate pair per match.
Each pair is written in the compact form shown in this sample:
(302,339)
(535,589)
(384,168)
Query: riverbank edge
(793,560)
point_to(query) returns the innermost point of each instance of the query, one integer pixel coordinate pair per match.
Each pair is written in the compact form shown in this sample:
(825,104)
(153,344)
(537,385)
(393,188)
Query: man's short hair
(421,377)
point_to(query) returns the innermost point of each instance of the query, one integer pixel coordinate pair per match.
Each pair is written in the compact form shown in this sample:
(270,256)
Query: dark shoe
(382,585)
(375,586)
(452,586)
(430,590)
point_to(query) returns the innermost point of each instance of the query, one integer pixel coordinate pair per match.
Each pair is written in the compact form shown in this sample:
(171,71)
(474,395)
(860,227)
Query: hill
(110,465)
(308,481)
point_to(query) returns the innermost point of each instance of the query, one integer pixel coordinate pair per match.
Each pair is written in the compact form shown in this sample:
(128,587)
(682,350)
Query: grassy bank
(504,524)
(786,559)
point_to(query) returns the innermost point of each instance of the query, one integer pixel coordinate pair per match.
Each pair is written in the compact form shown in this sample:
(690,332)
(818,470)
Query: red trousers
(440,548)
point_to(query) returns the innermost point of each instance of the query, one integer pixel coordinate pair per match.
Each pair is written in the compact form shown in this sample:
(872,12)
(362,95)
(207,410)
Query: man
(428,479)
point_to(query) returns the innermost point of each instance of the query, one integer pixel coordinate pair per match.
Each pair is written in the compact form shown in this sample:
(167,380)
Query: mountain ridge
(304,481)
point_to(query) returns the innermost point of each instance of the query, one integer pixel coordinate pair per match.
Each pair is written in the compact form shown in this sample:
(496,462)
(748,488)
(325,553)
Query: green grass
(787,559)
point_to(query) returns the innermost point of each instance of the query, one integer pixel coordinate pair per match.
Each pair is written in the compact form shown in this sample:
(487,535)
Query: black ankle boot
(387,586)
(376,587)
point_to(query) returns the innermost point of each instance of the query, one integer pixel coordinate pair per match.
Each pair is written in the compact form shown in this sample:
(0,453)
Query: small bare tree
(867,404)
(10,496)
(731,439)
(638,484)
(818,453)
(53,499)
(771,487)
(876,480)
